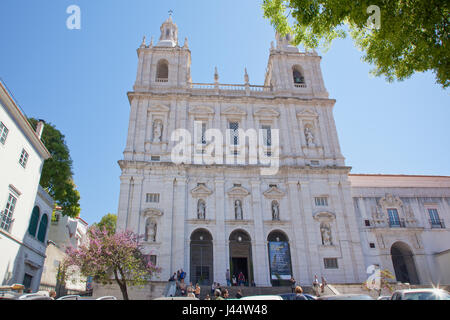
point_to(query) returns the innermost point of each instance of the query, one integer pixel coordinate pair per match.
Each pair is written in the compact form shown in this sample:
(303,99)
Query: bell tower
(292,72)
(166,64)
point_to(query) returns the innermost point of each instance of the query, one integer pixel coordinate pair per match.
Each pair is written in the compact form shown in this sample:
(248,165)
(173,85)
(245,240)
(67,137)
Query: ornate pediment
(159,108)
(324,216)
(234,112)
(201,191)
(390,201)
(307,113)
(238,192)
(274,193)
(266,113)
(152,212)
(202,111)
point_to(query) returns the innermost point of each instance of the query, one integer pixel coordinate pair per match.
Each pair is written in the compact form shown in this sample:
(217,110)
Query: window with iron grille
(23,158)
(3,133)
(203,133)
(330,263)
(152,197)
(6,216)
(321,201)
(267,135)
(234,127)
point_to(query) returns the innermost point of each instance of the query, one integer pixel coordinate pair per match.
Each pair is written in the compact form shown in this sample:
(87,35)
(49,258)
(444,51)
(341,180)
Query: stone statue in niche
(201,210)
(157,131)
(309,137)
(325,231)
(150,231)
(238,210)
(275,211)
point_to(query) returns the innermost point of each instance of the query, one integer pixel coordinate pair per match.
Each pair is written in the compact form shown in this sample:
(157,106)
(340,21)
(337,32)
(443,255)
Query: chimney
(40,128)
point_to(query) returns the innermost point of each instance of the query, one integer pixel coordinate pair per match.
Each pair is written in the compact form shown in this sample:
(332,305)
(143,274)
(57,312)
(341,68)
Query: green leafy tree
(108,222)
(56,177)
(404,38)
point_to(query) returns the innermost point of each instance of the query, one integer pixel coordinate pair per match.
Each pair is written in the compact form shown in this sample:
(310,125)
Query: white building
(302,221)
(25,207)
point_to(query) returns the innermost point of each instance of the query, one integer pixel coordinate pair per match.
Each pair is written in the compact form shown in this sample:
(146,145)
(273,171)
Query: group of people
(316,285)
(236,281)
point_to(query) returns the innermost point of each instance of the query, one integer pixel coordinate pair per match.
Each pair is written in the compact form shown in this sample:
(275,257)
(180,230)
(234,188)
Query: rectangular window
(6,216)
(435,221)
(23,158)
(321,201)
(3,133)
(156,158)
(394,220)
(267,135)
(234,127)
(152,197)
(330,263)
(203,133)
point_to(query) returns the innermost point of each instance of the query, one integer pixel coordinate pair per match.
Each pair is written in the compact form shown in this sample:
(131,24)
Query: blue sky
(78,80)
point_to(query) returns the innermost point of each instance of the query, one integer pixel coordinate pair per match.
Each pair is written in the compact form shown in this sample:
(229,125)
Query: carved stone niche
(325,220)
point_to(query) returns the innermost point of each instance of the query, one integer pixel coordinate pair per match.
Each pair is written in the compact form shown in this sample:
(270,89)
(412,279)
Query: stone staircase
(253,291)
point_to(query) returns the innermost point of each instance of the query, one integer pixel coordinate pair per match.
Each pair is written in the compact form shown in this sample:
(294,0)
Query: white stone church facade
(308,219)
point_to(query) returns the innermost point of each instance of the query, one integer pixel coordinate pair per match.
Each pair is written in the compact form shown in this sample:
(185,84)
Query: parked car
(263,297)
(11,292)
(107,298)
(78,297)
(384,298)
(291,296)
(35,296)
(421,294)
(347,297)
(176,298)
(70,297)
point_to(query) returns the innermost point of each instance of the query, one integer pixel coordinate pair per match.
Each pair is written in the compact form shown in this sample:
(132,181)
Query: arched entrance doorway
(201,266)
(241,255)
(279,253)
(403,262)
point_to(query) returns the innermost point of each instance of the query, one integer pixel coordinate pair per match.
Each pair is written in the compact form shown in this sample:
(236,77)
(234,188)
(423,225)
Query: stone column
(311,249)
(346,265)
(178,225)
(297,243)
(122,211)
(135,215)
(220,241)
(354,235)
(167,197)
(129,149)
(261,270)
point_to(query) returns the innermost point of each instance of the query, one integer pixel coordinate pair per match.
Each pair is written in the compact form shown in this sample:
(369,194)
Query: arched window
(43,228)
(32,228)
(298,76)
(162,71)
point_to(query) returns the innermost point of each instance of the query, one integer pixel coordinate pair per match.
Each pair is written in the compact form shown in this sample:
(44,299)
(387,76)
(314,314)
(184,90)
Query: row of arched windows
(162,72)
(38,220)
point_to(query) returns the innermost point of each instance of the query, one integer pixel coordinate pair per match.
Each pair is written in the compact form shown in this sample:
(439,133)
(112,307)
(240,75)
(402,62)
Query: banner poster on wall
(280,260)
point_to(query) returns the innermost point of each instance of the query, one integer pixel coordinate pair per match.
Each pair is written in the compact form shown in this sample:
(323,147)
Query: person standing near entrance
(293,282)
(241,279)
(228,277)
(316,286)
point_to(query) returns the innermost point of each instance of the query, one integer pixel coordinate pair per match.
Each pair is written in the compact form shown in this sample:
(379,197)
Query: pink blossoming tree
(107,255)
